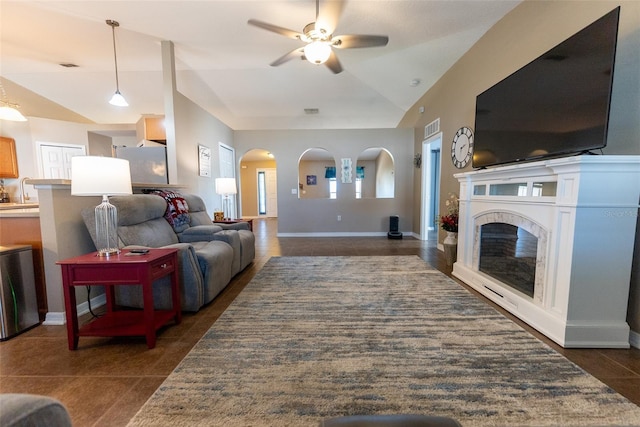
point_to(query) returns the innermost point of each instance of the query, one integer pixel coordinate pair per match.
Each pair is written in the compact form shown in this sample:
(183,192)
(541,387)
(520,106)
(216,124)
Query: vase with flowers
(449,223)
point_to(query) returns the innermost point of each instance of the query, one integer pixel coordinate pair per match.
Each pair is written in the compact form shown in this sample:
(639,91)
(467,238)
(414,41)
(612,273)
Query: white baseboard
(59,318)
(54,318)
(634,339)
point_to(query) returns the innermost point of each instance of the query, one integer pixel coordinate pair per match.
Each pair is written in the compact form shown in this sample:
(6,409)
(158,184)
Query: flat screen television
(557,105)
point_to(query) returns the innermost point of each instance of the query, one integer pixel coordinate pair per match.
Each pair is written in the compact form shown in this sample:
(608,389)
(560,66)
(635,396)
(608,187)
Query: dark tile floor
(107,380)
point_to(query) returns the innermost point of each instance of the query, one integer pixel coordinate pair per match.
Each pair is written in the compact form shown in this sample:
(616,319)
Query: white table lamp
(102,176)
(225,187)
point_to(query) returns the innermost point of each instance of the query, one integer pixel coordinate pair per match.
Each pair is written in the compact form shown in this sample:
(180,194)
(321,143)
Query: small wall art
(204,160)
(311,179)
(347,172)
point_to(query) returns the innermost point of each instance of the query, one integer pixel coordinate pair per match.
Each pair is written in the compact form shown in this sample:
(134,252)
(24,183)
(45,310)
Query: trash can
(18,302)
(394,224)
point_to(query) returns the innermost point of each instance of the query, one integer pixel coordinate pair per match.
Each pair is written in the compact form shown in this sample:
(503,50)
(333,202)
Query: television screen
(556,105)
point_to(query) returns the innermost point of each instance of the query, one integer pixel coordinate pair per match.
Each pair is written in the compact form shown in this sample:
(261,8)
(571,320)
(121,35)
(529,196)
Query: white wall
(28,134)
(385,169)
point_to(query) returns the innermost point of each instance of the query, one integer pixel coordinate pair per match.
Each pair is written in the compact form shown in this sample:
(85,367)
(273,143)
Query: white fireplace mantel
(587,209)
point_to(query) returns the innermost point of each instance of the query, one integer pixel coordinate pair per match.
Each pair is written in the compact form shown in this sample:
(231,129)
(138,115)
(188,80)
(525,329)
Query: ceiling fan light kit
(320,41)
(317,52)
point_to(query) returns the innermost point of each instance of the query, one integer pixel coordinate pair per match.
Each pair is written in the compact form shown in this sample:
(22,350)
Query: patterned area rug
(316,337)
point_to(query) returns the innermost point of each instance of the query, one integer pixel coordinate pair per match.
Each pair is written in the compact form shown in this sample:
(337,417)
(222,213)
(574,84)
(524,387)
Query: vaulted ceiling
(223,63)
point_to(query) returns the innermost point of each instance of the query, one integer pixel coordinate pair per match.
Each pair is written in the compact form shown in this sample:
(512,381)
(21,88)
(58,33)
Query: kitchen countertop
(62,183)
(20,213)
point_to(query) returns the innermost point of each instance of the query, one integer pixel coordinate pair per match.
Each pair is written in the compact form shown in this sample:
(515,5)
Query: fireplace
(509,254)
(552,242)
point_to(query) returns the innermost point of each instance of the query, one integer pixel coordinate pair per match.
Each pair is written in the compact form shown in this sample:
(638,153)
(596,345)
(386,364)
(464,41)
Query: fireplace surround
(576,220)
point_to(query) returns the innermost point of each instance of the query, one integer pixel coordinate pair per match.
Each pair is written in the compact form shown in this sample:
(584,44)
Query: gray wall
(319,216)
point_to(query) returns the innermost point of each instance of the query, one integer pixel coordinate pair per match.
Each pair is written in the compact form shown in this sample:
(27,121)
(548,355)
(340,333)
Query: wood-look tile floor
(107,380)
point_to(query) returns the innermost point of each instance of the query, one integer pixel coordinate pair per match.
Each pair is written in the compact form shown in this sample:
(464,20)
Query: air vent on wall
(432,128)
(311,111)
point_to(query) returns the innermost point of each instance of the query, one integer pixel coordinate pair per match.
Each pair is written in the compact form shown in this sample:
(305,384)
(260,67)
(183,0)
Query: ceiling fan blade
(333,64)
(274,28)
(299,52)
(329,15)
(350,41)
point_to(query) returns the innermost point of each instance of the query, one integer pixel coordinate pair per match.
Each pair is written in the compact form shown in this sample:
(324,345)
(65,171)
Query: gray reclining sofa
(209,255)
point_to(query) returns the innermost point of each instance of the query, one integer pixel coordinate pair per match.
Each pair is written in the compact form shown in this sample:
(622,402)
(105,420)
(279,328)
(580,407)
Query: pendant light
(117,99)
(9,111)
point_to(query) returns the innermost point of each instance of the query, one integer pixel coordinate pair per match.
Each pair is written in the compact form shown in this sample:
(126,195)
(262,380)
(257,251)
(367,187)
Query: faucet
(23,196)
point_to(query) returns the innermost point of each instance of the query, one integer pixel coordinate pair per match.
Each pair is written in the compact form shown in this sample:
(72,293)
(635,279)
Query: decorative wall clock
(462,147)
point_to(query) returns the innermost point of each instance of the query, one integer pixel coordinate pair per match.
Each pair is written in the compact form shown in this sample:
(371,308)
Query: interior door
(228,170)
(430,187)
(55,159)
(272,193)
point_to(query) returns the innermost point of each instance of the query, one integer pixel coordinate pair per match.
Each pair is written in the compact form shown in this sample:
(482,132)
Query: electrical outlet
(339,217)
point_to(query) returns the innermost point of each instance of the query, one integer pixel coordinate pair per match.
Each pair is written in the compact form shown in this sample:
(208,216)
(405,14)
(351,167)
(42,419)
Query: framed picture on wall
(347,171)
(311,179)
(204,160)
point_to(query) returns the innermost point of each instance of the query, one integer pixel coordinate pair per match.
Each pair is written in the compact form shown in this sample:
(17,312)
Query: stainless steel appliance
(18,303)
(148,165)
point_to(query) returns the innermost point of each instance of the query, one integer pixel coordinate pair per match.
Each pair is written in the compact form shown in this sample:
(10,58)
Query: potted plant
(449,223)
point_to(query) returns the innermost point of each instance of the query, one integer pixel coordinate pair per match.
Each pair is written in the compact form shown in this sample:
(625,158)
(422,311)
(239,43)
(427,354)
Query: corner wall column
(169,90)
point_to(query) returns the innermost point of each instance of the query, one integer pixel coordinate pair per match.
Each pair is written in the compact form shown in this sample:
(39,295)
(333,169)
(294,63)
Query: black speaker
(394,221)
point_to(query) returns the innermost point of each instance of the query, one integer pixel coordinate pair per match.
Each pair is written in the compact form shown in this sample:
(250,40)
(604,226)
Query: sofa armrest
(185,250)
(235,226)
(232,238)
(32,410)
(191,282)
(199,233)
(189,268)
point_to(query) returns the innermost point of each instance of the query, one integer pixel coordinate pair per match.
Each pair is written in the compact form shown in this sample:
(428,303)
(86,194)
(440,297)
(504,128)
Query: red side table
(124,269)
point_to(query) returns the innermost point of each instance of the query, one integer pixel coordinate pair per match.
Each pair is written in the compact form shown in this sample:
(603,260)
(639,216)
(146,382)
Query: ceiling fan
(319,38)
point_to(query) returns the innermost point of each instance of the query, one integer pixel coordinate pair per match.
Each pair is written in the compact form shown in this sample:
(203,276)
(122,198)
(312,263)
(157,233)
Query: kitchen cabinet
(8,158)
(151,128)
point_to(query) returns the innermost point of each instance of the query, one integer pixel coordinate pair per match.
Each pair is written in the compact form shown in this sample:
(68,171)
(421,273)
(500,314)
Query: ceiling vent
(432,128)
(69,65)
(311,111)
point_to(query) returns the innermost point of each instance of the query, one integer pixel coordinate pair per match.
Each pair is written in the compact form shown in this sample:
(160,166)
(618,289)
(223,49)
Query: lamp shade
(118,100)
(100,176)
(226,186)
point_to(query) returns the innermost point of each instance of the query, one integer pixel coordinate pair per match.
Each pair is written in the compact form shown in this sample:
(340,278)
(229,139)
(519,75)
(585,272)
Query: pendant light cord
(4,94)
(4,98)
(113,25)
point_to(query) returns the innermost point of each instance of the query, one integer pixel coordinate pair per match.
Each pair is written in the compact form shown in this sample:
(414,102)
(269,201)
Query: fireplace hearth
(552,242)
